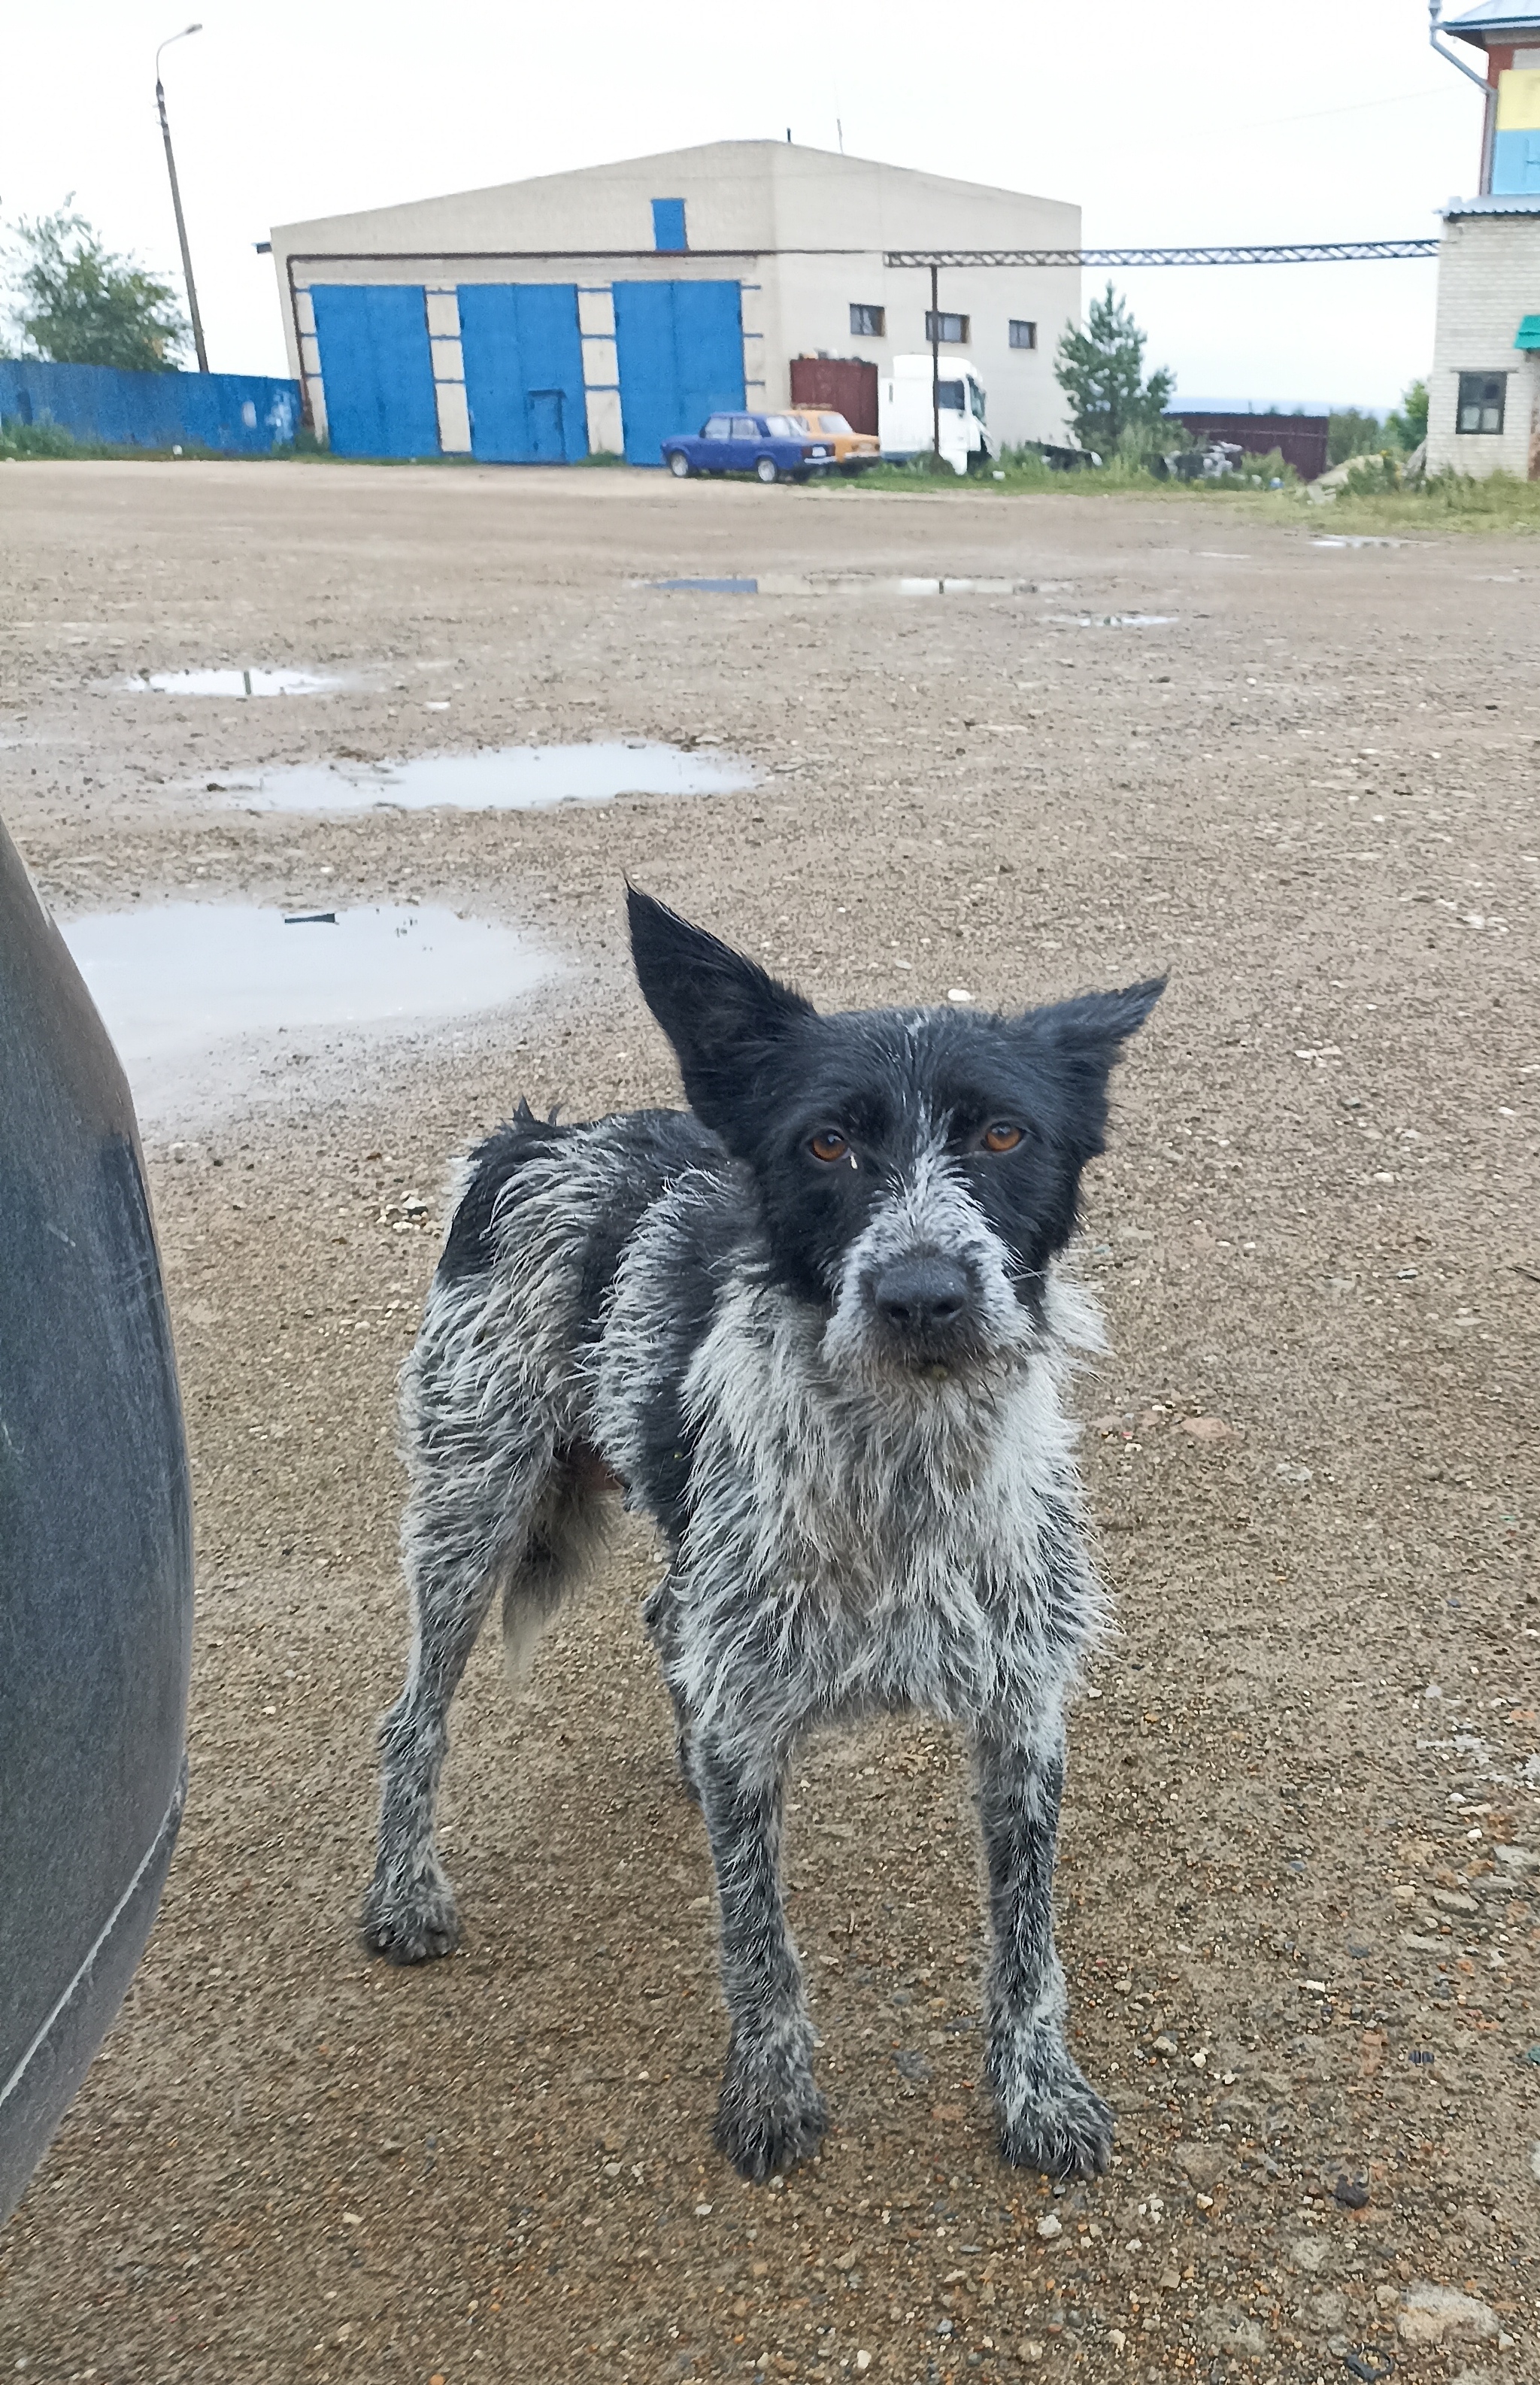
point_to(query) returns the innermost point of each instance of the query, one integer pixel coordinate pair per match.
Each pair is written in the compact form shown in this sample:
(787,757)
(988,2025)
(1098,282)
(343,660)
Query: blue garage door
(377,370)
(524,371)
(681,357)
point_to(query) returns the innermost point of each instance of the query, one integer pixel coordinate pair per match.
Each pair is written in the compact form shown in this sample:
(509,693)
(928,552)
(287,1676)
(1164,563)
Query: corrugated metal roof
(1494,204)
(1491,17)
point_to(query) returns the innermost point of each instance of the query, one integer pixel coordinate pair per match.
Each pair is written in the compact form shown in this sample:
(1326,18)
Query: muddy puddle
(238,682)
(513,777)
(841,583)
(213,1003)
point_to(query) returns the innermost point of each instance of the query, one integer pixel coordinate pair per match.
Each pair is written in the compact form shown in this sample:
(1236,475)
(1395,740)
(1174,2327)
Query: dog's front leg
(771,2114)
(1051,2119)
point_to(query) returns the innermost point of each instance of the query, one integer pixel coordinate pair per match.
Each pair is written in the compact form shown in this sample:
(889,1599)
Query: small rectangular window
(668,223)
(1483,397)
(1023,335)
(951,331)
(868,322)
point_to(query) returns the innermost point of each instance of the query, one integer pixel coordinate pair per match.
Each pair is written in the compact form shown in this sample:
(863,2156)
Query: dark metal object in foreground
(95,1539)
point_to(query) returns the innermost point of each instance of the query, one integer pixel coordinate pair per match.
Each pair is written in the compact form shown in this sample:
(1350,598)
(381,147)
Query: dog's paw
(412,1923)
(771,2115)
(1051,2117)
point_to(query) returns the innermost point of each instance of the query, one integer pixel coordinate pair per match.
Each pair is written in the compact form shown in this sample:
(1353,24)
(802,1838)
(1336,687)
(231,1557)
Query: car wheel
(767,469)
(679,465)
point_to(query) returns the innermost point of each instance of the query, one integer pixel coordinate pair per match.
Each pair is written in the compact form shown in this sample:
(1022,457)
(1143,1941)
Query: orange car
(853,450)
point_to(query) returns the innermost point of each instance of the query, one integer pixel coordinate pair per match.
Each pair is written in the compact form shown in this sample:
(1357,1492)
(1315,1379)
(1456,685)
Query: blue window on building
(668,224)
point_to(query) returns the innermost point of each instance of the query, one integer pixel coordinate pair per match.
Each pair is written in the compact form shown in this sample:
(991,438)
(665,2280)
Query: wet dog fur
(816,1328)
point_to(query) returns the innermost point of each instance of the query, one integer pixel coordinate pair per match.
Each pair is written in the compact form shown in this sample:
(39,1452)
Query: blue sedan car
(772,447)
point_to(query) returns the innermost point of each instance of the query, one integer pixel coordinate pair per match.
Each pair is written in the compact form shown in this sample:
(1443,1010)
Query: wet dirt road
(1301,1856)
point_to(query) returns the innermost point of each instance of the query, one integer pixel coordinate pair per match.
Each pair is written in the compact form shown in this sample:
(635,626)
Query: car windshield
(835,424)
(949,397)
(781,426)
(977,395)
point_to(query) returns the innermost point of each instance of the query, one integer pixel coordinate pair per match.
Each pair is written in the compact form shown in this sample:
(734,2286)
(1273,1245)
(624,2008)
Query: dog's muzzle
(924,1304)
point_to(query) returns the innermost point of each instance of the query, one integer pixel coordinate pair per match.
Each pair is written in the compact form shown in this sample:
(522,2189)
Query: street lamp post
(176,201)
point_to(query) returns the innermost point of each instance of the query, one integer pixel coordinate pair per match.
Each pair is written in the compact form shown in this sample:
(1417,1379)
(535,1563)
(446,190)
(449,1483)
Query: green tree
(1100,371)
(75,303)
(1410,428)
(1349,432)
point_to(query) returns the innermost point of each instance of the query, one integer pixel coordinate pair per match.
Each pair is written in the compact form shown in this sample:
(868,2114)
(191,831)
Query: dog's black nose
(920,1295)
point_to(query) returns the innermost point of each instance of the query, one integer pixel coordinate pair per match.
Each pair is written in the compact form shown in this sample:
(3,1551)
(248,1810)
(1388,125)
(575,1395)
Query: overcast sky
(1206,123)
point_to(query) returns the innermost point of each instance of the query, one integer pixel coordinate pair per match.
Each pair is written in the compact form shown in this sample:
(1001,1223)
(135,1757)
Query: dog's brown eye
(828,1146)
(1001,1138)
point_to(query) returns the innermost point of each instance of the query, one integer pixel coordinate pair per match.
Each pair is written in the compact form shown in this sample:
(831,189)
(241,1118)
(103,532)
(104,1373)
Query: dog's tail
(567,1531)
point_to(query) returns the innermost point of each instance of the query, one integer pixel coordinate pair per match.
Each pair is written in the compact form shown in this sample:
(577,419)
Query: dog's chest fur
(845,1541)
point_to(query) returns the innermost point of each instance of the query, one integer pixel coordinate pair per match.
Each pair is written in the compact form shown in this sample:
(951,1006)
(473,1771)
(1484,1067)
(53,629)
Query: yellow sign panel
(1519,100)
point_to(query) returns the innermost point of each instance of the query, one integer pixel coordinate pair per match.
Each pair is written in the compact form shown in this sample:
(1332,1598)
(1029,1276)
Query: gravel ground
(1301,1855)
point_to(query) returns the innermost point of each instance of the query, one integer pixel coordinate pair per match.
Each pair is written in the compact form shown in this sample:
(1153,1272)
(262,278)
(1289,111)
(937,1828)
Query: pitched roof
(1478,25)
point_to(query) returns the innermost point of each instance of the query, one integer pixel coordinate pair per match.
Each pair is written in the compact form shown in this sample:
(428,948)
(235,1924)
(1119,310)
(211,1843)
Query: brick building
(1483,392)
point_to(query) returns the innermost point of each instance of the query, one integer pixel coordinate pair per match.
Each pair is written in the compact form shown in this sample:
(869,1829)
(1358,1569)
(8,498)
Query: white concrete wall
(749,199)
(1488,279)
(815,296)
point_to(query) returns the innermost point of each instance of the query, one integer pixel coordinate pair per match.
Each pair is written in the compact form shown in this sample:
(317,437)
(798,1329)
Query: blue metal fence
(237,414)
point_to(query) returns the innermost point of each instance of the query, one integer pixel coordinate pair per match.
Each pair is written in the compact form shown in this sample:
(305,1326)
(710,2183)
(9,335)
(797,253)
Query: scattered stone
(1433,2314)
(910,2064)
(1050,2226)
(1208,1427)
(1163,2044)
(1308,2253)
(1351,2193)
(1517,1858)
(1229,2331)
(863,2362)
(1203,2164)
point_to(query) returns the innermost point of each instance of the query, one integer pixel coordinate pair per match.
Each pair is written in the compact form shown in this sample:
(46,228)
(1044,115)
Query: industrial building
(597,312)
(1483,392)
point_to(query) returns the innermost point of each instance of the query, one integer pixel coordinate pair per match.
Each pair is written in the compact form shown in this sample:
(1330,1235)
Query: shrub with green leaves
(75,303)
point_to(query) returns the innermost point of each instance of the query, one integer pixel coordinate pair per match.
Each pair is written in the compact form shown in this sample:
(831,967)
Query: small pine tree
(1100,371)
(75,303)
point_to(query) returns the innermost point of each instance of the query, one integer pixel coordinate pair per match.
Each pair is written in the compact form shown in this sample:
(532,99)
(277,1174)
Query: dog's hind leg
(1050,2119)
(456,1555)
(770,2114)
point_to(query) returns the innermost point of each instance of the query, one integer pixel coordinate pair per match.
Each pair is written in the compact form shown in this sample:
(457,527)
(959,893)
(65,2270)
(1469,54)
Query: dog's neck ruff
(859,1540)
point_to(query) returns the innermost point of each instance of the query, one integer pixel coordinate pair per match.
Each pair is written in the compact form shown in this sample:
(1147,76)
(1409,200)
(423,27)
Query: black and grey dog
(815,1327)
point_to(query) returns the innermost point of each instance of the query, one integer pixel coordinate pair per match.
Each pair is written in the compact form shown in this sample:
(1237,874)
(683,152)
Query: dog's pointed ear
(1080,1042)
(725,1016)
(1095,1027)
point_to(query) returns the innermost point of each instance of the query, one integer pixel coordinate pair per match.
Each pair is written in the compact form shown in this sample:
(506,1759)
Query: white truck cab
(905,422)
